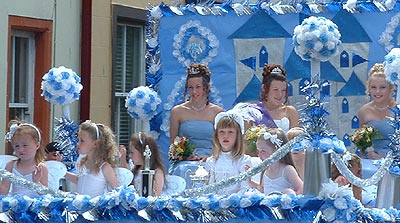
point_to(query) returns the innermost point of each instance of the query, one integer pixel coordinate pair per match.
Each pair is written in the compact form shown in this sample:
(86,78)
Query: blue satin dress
(200,132)
(385,130)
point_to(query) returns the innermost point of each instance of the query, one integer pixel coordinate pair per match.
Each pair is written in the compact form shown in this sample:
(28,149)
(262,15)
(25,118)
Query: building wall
(66,16)
(101,89)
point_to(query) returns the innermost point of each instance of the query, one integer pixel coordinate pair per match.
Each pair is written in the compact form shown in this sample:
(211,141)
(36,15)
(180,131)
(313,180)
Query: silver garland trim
(277,155)
(33,186)
(374,179)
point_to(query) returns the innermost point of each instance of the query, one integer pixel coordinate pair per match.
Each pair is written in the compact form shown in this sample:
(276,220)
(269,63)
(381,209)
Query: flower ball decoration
(142,103)
(392,66)
(61,85)
(316,38)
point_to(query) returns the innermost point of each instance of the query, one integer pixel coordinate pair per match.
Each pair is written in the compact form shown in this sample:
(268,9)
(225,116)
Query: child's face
(135,156)
(25,146)
(264,148)
(86,144)
(356,170)
(227,138)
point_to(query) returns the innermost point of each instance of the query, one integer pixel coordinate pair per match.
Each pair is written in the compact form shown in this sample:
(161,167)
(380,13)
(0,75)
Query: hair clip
(273,139)
(276,70)
(140,137)
(231,114)
(95,125)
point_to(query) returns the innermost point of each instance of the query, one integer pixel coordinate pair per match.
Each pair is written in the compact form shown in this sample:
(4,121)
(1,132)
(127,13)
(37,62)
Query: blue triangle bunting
(250,62)
(354,86)
(357,59)
(248,93)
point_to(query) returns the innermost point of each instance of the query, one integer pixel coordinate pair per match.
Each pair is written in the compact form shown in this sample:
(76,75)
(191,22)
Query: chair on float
(4,159)
(173,184)
(124,176)
(57,171)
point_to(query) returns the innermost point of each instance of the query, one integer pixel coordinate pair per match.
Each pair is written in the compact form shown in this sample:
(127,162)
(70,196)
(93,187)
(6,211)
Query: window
(128,74)
(21,98)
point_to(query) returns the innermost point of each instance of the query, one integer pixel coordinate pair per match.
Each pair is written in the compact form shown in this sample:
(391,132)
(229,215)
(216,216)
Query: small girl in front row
(227,156)
(281,176)
(137,148)
(27,143)
(96,142)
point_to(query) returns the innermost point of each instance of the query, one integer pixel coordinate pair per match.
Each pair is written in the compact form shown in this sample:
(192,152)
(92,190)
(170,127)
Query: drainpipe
(86,59)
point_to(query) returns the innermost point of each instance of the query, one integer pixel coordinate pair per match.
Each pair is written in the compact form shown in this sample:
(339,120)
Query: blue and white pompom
(61,85)
(316,38)
(392,66)
(142,103)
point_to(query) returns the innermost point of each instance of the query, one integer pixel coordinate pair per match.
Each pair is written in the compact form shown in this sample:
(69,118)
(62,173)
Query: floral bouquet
(252,134)
(363,137)
(181,149)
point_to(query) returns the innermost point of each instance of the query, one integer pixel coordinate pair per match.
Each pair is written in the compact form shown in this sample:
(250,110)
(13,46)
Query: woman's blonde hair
(378,70)
(238,149)
(106,150)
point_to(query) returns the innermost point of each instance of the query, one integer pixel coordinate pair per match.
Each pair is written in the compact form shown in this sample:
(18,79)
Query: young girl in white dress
(281,176)
(95,170)
(228,158)
(27,143)
(138,145)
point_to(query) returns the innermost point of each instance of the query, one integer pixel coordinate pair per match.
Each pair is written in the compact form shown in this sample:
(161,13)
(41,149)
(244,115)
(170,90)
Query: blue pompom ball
(142,103)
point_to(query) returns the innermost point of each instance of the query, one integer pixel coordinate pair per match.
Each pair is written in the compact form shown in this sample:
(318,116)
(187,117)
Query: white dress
(17,189)
(283,123)
(90,183)
(225,167)
(276,185)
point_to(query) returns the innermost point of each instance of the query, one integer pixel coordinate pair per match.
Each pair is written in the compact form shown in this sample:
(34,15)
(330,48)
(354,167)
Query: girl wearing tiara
(27,143)
(194,119)
(95,169)
(228,158)
(376,112)
(281,176)
(137,148)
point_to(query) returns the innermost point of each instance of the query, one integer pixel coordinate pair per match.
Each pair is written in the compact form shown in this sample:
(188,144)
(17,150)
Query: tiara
(231,114)
(193,71)
(276,70)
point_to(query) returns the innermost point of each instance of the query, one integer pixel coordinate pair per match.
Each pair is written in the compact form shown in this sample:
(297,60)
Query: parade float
(326,57)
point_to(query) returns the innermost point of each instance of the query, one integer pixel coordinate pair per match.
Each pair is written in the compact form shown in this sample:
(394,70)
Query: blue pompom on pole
(142,103)
(392,69)
(61,85)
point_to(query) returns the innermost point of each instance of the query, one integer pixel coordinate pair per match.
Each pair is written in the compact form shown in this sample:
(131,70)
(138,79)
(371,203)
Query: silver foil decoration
(317,171)
(33,186)
(277,155)
(374,179)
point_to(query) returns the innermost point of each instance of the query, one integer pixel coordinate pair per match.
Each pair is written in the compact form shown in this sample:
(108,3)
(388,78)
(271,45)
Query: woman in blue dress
(376,112)
(194,119)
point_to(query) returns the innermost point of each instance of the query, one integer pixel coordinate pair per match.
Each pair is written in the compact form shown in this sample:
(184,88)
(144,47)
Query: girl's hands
(37,174)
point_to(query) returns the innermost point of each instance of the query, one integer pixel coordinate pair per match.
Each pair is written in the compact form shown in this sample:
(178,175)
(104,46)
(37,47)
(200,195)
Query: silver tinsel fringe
(374,179)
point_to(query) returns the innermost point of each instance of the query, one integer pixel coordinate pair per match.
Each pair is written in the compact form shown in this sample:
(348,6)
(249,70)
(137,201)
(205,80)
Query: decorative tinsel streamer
(33,186)
(374,179)
(277,155)
(65,132)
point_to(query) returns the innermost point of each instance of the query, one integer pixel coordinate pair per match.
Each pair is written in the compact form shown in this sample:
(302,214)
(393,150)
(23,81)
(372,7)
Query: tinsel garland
(33,186)
(374,179)
(65,133)
(277,155)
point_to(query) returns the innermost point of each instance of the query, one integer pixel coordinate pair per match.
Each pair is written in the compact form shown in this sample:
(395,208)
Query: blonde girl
(26,140)
(96,144)
(281,176)
(137,148)
(228,158)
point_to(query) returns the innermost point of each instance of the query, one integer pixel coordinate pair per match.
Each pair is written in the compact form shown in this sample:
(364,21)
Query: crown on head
(193,71)
(276,70)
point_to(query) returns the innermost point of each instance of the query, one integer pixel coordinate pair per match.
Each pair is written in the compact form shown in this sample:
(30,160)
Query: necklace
(198,108)
(381,109)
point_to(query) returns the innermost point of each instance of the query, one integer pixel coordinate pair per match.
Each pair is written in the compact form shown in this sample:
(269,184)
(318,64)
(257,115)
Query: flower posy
(181,149)
(363,137)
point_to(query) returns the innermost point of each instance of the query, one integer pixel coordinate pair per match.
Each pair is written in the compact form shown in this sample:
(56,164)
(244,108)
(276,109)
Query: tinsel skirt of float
(317,170)
(388,191)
